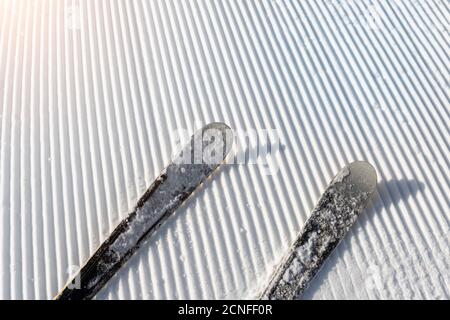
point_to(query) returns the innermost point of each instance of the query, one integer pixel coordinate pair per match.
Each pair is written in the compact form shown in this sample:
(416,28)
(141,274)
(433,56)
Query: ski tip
(362,175)
(227,134)
(218,125)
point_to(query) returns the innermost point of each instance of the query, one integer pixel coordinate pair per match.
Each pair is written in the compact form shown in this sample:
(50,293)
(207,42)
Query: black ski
(206,151)
(337,210)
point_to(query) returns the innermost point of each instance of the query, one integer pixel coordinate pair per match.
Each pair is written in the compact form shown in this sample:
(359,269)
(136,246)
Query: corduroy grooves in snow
(91,93)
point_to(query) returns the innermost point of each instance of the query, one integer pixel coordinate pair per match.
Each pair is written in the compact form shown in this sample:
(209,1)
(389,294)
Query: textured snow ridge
(92,91)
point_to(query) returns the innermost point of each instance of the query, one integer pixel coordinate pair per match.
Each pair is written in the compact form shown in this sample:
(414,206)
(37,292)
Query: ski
(206,150)
(337,210)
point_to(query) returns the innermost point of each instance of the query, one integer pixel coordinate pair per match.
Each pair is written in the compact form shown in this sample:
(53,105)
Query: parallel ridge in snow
(91,91)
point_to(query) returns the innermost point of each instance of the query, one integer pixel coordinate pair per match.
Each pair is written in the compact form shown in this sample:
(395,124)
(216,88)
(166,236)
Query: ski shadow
(389,193)
(394,191)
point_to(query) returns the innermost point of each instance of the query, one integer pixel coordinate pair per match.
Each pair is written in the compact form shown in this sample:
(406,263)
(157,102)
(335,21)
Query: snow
(303,256)
(99,88)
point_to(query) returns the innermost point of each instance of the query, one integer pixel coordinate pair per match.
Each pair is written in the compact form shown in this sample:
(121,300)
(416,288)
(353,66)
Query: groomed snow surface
(92,91)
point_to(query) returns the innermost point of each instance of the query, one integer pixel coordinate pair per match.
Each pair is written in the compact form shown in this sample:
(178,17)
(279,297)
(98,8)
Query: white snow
(88,112)
(304,256)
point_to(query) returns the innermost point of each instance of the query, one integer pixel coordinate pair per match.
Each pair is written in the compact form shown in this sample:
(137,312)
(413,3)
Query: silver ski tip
(362,175)
(224,131)
(210,145)
(217,125)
